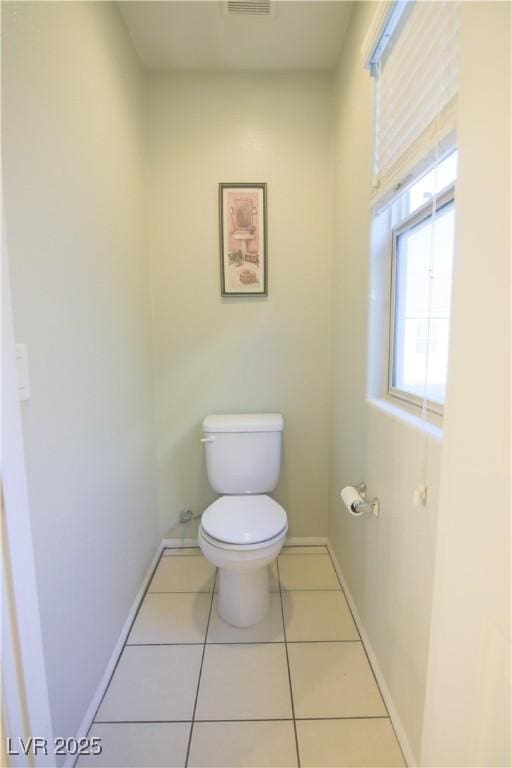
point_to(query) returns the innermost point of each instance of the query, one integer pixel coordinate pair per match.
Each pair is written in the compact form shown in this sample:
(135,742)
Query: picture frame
(243,239)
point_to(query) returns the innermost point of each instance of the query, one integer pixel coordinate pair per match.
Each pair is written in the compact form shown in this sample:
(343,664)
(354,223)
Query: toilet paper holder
(365,505)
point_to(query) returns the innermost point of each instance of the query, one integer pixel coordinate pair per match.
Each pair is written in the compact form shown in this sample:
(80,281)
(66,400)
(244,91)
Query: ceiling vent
(250,8)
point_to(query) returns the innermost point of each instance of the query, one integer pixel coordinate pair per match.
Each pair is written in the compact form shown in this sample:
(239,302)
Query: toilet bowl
(243,560)
(243,531)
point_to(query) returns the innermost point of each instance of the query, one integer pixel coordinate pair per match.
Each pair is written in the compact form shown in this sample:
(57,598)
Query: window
(421,267)
(412,53)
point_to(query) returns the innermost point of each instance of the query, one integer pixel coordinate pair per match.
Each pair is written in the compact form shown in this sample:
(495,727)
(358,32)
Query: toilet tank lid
(244,422)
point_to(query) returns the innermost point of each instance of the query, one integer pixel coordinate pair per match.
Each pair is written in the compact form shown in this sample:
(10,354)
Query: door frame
(25,701)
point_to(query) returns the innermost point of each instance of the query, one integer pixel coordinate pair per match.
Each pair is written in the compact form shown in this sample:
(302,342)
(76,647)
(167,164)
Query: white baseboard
(386,695)
(102,687)
(294,541)
(305,541)
(179,543)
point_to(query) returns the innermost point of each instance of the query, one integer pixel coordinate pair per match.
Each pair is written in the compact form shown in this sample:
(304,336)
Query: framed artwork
(243,239)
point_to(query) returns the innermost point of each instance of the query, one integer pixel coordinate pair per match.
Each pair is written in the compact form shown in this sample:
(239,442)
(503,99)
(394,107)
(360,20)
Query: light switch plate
(419,498)
(22,370)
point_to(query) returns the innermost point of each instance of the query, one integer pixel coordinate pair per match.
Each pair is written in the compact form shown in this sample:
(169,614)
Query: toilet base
(244,597)
(244,594)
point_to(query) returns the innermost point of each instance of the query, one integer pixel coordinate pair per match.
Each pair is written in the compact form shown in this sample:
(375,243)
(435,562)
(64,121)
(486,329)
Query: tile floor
(296,690)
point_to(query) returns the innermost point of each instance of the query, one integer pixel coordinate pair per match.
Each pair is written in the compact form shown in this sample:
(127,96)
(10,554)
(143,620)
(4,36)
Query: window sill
(430,427)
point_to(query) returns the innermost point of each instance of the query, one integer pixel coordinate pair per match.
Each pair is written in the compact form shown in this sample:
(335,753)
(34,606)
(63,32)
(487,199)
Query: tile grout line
(288,664)
(247,720)
(242,642)
(206,592)
(368,659)
(200,671)
(179,591)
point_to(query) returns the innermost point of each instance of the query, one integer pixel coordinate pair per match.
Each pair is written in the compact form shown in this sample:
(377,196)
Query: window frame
(438,201)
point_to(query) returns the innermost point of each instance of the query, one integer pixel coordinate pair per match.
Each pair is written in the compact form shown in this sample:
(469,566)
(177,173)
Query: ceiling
(199,34)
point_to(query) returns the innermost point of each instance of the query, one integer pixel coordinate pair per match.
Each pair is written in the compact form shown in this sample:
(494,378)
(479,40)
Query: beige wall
(387,562)
(217,355)
(467,720)
(74,202)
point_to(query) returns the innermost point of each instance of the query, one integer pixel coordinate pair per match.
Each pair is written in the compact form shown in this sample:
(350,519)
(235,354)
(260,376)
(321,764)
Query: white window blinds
(415,65)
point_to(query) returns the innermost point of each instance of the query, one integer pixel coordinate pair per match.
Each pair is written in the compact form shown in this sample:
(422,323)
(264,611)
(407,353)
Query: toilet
(243,531)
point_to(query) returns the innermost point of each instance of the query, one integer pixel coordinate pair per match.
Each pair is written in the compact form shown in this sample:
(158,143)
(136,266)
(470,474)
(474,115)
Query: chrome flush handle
(209,439)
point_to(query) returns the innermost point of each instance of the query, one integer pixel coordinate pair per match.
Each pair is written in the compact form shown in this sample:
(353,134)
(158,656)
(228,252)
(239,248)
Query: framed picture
(243,239)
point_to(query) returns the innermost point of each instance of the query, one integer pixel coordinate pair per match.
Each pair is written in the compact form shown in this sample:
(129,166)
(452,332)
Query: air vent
(250,7)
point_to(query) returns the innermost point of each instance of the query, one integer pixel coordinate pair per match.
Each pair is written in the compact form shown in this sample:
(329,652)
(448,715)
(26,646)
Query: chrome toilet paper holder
(365,505)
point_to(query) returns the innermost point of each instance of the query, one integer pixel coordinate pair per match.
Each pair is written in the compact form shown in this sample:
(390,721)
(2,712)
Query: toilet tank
(243,451)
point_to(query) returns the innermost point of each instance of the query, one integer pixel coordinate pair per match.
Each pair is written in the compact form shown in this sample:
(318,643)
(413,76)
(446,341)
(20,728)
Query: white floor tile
(133,745)
(318,616)
(171,617)
(154,682)
(307,572)
(244,690)
(243,745)
(269,630)
(244,682)
(362,743)
(183,574)
(333,680)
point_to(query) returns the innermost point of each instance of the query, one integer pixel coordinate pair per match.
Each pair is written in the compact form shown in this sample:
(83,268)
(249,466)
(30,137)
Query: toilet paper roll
(350,496)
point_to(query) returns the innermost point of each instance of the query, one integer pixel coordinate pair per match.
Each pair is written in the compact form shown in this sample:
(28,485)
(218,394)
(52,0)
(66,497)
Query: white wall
(387,562)
(217,355)
(74,198)
(392,564)
(467,720)
(74,182)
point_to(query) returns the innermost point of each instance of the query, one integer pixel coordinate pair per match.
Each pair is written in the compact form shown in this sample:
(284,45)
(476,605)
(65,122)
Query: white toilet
(243,531)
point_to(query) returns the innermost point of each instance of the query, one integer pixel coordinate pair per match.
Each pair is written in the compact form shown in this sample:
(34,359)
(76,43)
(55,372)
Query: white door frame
(25,703)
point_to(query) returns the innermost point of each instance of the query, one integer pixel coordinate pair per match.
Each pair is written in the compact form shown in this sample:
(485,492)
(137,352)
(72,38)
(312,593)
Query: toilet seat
(222,545)
(243,522)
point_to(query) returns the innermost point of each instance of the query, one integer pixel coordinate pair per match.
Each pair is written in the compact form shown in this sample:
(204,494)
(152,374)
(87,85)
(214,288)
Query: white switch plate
(419,498)
(22,370)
